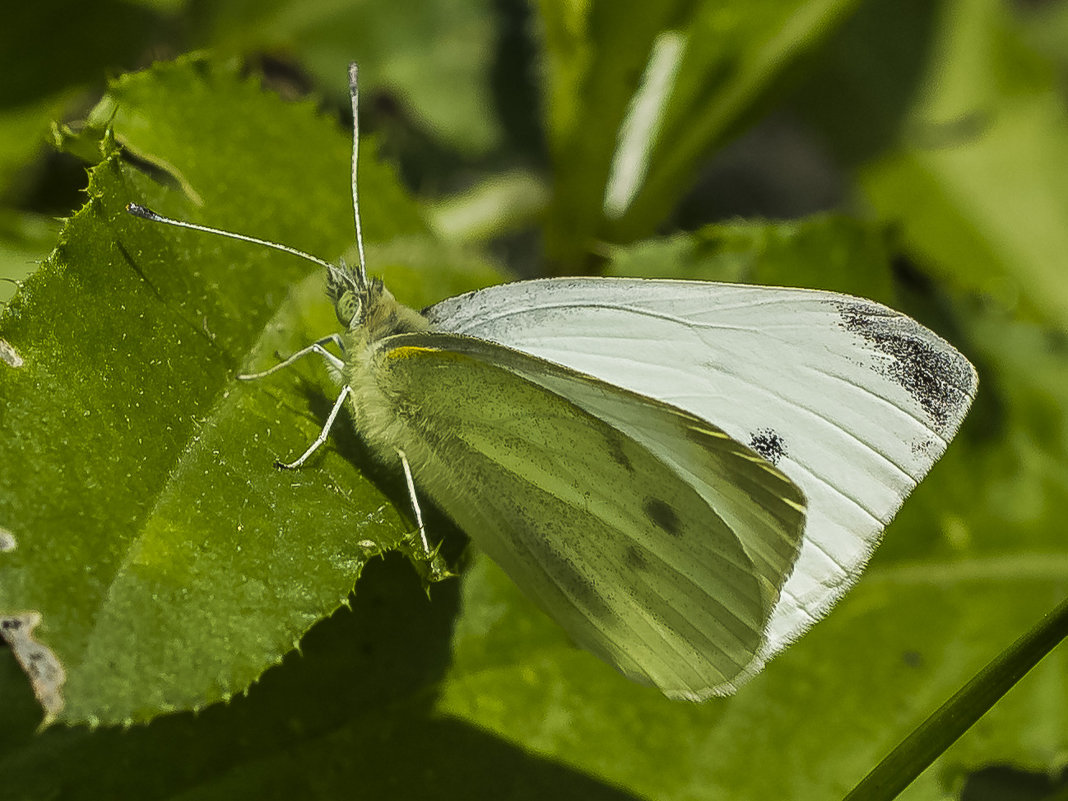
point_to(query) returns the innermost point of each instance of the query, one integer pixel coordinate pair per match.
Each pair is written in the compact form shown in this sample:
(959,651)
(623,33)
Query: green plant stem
(914,754)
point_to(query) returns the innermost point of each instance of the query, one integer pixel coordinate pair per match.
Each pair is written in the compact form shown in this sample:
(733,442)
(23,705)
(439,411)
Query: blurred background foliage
(915,151)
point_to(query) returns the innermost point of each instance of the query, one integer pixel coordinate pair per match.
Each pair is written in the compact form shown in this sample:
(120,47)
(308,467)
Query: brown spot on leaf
(9,355)
(40,663)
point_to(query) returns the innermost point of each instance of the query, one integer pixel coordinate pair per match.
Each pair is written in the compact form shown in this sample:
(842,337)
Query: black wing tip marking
(934,373)
(769,444)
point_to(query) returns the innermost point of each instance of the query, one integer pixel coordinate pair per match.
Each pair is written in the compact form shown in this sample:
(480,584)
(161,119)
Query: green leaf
(501,203)
(1014,490)
(720,61)
(25,241)
(891,776)
(43,83)
(169,563)
(23,130)
(349,715)
(824,251)
(434,55)
(960,132)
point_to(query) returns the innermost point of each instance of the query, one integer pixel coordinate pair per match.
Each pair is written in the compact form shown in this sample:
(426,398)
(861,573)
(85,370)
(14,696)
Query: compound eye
(349,309)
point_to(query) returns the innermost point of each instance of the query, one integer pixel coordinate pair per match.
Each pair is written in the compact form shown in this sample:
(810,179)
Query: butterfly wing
(852,400)
(557,477)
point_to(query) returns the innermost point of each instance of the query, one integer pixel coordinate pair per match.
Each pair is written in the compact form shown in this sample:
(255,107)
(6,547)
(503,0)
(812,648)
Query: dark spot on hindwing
(573,582)
(937,381)
(768,444)
(578,586)
(662,515)
(619,456)
(635,558)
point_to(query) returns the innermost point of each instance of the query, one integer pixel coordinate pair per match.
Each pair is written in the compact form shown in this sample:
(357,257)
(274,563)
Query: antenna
(354,95)
(147,214)
(360,277)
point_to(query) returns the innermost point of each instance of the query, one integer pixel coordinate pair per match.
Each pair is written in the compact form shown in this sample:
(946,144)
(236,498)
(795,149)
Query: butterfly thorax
(371,315)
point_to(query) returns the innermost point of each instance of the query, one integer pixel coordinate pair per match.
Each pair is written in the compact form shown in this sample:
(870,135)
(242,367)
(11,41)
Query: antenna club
(143,212)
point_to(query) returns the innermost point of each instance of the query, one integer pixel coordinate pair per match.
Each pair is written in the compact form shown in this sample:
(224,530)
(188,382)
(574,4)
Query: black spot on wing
(938,378)
(662,515)
(768,444)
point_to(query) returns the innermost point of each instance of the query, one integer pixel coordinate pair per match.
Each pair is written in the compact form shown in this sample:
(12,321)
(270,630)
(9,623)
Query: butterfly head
(351,296)
(366,306)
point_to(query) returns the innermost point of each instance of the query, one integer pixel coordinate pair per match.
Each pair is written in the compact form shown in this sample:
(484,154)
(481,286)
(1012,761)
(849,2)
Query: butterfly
(685,475)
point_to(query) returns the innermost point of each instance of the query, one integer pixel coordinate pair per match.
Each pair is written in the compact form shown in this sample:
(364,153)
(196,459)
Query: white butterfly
(684,474)
(851,400)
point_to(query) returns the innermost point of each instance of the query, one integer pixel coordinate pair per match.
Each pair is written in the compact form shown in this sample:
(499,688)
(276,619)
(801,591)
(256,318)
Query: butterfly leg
(315,347)
(319,440)
(415,500)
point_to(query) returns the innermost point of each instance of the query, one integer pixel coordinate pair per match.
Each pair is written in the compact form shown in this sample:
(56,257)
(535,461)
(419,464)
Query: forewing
(852,400)
(628,556)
